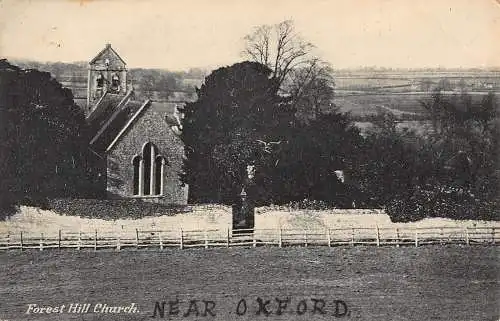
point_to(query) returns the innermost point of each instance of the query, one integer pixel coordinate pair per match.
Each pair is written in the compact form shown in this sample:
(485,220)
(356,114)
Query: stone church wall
(150,127)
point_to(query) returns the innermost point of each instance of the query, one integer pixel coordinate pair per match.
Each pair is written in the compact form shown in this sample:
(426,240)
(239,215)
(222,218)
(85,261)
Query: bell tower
(107,74)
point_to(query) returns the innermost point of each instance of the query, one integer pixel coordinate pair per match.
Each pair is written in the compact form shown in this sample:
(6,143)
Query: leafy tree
(42,145)
(452,172)
(305,167)
(236,110)
(165,85)
(386,165)
(466,134)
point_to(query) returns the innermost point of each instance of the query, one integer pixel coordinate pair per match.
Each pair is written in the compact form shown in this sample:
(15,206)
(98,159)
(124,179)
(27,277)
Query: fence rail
(377,236)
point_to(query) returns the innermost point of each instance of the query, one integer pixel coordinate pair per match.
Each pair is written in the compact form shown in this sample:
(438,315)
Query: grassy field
(363,105)
(387,283)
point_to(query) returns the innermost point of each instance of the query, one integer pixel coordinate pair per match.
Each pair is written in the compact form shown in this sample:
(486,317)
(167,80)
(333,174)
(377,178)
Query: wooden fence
(160,239)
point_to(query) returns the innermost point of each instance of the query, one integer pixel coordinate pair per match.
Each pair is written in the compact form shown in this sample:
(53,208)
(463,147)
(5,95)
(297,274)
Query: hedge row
(112,209)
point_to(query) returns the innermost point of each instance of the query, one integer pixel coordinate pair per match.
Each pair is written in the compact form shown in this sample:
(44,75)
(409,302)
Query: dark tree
(42,148)
(451,172)
(236,115)
(387,164)
(305,168)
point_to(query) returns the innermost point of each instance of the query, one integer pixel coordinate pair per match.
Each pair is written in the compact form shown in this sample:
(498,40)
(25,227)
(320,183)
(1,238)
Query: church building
(136,143)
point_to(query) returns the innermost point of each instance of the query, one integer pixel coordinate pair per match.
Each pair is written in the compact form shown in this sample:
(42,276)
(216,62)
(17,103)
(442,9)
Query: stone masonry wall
(150,127)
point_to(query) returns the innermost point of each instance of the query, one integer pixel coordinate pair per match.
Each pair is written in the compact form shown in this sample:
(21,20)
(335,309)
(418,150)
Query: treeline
(159,84)
(242,134)
(399,117)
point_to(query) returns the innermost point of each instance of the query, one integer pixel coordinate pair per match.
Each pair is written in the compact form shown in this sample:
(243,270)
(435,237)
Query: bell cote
(107,73)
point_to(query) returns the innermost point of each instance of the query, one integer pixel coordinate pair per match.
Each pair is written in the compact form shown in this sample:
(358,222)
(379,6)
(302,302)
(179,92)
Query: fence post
(227,240)
(21,240)
(280,238)
(95,241)
(328,237)
(206,239)
(41,242)
(416,238)
(79,240)
(352,237)
(181,245)
(136,238)
(8,241)
(305,238)
(378,236)
(59,240)
(467,236)
(254,241)
(493,235)
(118,246)
(161,240)
(397,237)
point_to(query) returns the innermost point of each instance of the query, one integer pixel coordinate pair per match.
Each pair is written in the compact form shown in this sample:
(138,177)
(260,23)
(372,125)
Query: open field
(428,283)
(400,104)
(367,104)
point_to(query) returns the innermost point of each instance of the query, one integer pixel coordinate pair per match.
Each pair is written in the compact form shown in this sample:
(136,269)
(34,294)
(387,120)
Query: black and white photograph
(250,160)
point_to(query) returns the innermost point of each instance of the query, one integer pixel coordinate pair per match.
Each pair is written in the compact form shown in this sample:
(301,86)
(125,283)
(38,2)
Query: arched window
(148,171)
(159,171)
(136,163)
(115,82)
(100,81)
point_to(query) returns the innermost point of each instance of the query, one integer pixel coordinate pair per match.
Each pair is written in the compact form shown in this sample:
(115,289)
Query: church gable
(145,159)
(108,58)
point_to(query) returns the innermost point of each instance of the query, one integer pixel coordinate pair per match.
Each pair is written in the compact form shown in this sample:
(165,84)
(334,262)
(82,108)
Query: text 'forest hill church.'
(136,143)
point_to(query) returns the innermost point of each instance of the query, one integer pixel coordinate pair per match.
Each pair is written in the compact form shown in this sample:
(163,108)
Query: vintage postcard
(249,160)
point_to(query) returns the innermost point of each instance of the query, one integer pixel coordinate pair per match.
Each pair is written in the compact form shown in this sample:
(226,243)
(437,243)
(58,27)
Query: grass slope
(427,283)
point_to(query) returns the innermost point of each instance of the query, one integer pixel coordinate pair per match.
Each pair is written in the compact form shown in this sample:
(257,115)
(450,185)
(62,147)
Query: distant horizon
(208,69)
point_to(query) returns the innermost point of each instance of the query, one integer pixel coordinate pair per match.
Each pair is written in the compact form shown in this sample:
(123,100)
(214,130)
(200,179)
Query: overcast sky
(195,33)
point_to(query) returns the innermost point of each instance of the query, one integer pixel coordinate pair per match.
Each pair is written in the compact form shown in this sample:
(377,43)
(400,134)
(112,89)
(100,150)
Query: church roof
(129,123)
(111,125)
(103,110)
(166,107)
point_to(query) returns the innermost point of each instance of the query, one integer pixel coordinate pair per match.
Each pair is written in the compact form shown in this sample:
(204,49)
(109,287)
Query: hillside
(361,92)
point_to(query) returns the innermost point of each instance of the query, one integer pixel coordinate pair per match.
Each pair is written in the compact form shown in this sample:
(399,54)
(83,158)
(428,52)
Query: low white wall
(34,221)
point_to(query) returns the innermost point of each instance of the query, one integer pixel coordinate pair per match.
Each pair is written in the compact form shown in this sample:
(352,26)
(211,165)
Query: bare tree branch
(296,70)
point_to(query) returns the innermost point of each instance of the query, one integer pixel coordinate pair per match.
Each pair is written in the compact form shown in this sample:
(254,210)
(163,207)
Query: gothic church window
(159,165)
(148,171)
(136,163)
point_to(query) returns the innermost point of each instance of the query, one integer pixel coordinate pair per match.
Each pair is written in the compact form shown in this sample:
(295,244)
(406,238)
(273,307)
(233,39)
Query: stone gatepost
(244,209)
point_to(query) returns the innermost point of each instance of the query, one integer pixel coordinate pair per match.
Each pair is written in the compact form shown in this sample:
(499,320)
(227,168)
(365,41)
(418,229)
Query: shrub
(112,209)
